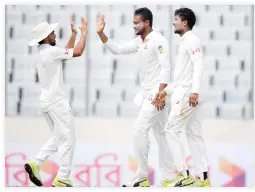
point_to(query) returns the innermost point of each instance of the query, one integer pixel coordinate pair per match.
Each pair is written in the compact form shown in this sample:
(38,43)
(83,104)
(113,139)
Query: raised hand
(73,26)
(84,24)
(100,24)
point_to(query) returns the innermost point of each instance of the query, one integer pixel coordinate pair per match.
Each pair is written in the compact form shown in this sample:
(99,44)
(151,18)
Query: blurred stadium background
(102,86)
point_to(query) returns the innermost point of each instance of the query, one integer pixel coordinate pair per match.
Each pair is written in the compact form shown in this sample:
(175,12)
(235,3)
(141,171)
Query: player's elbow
(114,52)
(77,52)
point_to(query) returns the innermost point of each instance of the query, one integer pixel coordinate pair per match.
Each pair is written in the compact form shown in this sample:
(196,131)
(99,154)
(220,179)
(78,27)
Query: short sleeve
(63,54)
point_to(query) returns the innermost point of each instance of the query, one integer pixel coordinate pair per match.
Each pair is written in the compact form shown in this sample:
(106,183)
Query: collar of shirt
(149,36)
(43,46)
(188,33)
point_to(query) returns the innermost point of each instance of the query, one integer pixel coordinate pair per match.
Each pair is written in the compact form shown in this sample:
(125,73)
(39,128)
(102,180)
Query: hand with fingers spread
(193,99)
(84,24)
(100,28)
(160,100)
(73,26)
(100,24)
(80,46)
(72,39)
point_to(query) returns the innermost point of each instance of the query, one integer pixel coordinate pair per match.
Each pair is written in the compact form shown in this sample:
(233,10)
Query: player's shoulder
(57,50)
(47,49)
(159,37)
(53,52)
(193,38)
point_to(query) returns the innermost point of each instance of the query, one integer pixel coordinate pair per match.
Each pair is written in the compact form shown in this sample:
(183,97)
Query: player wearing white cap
(53,101)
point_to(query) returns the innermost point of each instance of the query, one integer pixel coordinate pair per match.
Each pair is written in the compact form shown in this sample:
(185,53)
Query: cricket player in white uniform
(53,101)
(184,92)
(154,70)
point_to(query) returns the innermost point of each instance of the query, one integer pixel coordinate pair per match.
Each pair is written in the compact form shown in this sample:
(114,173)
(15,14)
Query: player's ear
(185,22)
(147,23)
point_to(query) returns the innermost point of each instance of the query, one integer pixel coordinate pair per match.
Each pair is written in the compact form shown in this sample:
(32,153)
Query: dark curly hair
(145,13)
(186,14)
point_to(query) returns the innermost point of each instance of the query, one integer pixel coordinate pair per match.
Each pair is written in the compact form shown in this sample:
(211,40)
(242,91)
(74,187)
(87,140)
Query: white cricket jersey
(188,67)
(153,58)
(49,68)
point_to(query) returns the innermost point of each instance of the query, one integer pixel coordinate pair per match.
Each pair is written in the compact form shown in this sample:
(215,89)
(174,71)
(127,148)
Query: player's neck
(143,36)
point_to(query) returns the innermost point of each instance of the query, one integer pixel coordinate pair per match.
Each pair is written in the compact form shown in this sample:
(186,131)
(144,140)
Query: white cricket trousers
(61,124)
(150,118)
(184,117)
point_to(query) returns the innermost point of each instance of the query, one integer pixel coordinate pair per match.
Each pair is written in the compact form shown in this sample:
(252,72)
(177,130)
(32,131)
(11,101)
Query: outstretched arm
(115,48)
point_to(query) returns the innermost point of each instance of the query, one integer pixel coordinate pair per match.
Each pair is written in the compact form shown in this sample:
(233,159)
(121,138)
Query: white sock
(169,177)
(184,173)
(201,176)
(36,161)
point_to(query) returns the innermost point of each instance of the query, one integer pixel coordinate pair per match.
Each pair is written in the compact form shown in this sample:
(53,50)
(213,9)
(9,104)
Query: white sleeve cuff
(112,46)
(169,89)
(109,43)
(194,90)
(165,77)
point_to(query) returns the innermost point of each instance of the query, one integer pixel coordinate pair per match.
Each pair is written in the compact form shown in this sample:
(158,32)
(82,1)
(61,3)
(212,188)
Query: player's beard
(178,31)
(53,43)
(139,28)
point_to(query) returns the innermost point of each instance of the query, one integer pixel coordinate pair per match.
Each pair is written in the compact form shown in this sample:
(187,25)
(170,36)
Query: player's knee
(139,131)
(69,122)
(173,126)
(175,133)
(142,126)
(69,142)
(194,133)
(173,123)
(68,135)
